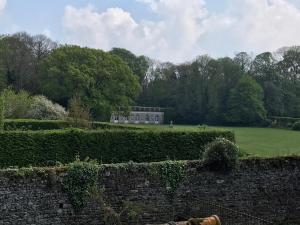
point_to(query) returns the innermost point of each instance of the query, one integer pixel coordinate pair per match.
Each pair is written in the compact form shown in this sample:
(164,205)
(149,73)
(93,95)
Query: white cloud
(2,4)
(172,38)
(187,28)
(263,25)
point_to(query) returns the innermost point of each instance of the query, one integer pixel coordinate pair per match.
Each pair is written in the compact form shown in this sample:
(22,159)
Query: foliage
(79,114)
(245,103)
(283,121)
(20,57)
(44,109)
(20,105)
(30,124)
(221,155)
(107,146)
(1,112)
(106,125)
(138,65)
(171,173)
(197,91)
(296,125)
(81,176)
(17,104)
(102,80)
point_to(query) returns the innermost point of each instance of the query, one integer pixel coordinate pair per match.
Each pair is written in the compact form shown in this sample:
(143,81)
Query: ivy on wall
(80,178)
(171,173)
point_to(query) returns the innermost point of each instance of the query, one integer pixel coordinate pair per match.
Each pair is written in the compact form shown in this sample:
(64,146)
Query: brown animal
(212,220)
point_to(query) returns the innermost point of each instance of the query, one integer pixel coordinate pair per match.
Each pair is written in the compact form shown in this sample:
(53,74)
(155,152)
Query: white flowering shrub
(44,109)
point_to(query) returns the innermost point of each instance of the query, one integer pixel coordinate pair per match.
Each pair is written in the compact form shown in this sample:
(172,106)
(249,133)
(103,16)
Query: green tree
(243,59)
(102,81)
(20,55)
(138,64)
(289,68)
(264,71)
(245,103)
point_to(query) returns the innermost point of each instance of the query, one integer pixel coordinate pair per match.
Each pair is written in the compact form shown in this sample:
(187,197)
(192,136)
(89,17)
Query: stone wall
(268,189)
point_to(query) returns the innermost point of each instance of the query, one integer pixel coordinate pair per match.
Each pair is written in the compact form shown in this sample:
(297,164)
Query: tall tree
(289,68)
(264,70)
(138,64)
(245,103)
(102,81)
(244,60)
(20,56)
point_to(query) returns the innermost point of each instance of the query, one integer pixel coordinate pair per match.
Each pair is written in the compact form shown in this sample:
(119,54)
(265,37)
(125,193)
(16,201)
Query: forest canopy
(243,90)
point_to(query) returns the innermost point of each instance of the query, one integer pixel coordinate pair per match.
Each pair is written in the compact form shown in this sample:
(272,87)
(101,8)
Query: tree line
(242,90)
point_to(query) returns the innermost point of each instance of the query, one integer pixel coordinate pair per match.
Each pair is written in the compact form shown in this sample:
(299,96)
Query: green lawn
(264,142)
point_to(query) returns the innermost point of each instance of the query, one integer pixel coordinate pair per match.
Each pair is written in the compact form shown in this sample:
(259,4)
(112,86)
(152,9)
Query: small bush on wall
(221,155)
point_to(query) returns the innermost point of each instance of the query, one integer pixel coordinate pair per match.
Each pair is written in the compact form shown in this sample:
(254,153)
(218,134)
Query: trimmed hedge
(30,124)
(285,122)
(105,125)
(19,148)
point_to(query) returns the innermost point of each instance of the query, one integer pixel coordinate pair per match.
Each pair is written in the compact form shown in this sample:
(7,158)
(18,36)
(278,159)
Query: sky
(167,30)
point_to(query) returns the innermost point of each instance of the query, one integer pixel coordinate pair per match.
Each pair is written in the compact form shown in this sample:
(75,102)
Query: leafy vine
(171,173)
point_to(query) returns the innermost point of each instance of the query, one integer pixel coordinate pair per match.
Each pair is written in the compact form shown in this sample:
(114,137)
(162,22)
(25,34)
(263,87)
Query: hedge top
(20,148)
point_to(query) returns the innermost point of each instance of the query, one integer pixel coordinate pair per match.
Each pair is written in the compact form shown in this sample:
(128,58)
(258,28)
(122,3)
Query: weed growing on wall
(80,178)
(131,210)
(171,173)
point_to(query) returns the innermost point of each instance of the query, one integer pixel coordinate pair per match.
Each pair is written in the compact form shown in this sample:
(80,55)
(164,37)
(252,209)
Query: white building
(139,115)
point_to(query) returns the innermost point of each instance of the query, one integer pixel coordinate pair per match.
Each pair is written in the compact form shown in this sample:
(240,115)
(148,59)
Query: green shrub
(296,125)
(16,104)
(29,124)
(105,125)
(221,155)
(79,113)
(20,105)
(286,122)
(19,148)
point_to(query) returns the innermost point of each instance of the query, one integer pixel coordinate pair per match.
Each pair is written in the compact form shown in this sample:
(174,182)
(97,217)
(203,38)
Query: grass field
(264,142)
